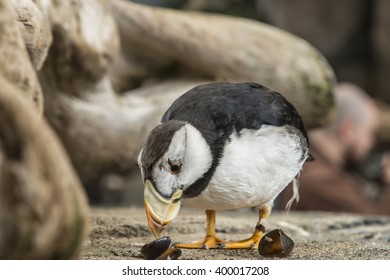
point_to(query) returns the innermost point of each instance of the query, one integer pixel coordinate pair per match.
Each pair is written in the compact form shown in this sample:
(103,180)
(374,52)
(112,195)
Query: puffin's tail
(295,195)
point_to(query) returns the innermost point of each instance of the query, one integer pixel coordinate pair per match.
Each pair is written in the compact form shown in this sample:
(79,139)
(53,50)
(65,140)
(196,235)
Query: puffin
(222,146)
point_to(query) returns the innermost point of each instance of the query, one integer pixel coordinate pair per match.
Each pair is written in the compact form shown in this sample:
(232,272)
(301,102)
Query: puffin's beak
(159,210)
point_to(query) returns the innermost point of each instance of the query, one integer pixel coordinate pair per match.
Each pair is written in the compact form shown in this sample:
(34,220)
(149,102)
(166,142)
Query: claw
(210,242)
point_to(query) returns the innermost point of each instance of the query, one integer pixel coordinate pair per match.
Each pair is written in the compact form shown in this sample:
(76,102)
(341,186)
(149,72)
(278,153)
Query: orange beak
(159,210)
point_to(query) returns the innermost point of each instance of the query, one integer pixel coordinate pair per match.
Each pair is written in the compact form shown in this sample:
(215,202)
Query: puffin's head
(174,157)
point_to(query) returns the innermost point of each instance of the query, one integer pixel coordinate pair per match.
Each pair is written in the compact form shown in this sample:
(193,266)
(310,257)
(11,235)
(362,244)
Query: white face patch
(190,151)
(198,157)
(177,148)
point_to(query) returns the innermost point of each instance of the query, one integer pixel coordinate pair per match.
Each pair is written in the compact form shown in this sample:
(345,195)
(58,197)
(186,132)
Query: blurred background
(354,37)
(82,83)
(102,73)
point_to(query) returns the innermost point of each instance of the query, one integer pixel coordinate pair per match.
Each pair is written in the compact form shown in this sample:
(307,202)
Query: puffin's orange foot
(209,242)
(249,243)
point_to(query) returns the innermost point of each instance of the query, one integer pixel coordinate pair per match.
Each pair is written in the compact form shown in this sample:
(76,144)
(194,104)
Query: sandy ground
(119,233)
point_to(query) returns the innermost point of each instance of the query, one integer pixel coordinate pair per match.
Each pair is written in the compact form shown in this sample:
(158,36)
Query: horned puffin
(222,146)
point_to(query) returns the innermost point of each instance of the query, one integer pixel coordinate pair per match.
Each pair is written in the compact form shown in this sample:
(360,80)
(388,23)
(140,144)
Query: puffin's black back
(218,109)
(222,107)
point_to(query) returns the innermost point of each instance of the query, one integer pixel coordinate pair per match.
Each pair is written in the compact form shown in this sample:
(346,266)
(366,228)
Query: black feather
(218,109)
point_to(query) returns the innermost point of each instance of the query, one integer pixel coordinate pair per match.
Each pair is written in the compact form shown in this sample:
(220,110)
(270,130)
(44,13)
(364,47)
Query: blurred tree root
(15,64)
(43,207)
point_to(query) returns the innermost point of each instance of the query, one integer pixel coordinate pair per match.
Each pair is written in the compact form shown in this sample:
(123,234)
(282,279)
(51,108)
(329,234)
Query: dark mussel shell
(275,244)
(171,254)
(156,248)
(160,249)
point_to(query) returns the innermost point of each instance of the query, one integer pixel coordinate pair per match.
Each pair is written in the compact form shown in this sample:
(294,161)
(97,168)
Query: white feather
(139,162)
(295,195)
(255,167)
(198,157)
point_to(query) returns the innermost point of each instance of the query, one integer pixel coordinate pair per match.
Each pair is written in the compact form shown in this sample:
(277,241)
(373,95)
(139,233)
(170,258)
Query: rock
(43,209)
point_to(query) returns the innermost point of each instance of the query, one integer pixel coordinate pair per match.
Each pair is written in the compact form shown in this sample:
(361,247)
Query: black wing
(218,108)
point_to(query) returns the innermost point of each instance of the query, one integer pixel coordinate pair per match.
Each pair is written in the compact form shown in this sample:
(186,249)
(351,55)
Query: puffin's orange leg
(253,241)
(211,240)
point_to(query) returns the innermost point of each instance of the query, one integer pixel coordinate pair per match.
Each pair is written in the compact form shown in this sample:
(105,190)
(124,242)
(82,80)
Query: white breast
(256,166)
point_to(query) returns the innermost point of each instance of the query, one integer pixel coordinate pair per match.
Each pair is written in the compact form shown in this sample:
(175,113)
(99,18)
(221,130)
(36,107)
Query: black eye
(175,168)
